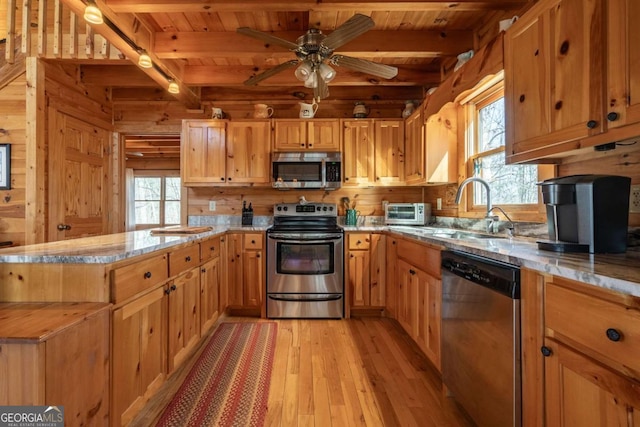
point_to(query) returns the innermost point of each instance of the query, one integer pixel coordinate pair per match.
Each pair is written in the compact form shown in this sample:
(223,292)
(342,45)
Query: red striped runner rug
(229,383)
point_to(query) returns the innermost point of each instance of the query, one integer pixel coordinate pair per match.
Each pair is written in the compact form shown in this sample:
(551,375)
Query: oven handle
(298,240)
(306,299)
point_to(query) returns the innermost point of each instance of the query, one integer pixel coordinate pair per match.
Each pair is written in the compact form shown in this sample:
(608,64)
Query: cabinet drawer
(135,278)
(360,241)
(253,241)
(183,259)
(589,321)
(421,256)
(210,249)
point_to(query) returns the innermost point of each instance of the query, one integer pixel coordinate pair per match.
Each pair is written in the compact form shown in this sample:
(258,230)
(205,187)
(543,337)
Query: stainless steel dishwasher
(481,337)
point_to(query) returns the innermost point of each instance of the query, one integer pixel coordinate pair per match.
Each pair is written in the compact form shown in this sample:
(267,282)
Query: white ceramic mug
(506,23)
(307,111)
(216,113)
(262,111)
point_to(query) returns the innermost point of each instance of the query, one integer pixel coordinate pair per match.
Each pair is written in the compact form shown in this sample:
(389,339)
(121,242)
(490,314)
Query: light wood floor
(356,372)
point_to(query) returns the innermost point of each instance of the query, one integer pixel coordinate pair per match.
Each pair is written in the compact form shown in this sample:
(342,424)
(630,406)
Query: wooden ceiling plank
(174,45)
(10,51)
(172,6)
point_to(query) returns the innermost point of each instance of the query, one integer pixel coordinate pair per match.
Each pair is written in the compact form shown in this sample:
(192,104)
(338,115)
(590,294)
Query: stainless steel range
(305,262)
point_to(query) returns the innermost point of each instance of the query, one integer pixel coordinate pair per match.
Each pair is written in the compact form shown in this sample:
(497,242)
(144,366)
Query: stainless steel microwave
(306,170)
(407,213)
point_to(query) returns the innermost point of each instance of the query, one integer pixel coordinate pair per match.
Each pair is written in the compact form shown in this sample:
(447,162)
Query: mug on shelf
(216,113)
(506,23)
(351,217)
(307,111)
(262,111)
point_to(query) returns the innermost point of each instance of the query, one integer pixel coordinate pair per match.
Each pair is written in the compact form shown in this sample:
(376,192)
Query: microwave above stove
(306,170)
(407,213)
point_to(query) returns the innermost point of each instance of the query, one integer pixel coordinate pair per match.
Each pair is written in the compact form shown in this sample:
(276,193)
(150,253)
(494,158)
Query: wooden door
(441,145)
(358,277)
(389,152)
(80,176)
(391,284)
(428,306)
(253,278)
(234,269)
(581,392)
(623,66)
(290,135)
(414,158)
(202,152)
(138,355)
(248,148)
(323,135)
(184,316)
(209,289)
(223,289)
(358,152)
(378,270)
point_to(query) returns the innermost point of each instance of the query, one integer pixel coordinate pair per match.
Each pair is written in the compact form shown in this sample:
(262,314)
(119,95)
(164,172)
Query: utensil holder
(247,218)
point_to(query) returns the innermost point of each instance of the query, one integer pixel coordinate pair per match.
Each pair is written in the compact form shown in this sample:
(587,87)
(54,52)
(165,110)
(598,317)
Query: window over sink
(156,200)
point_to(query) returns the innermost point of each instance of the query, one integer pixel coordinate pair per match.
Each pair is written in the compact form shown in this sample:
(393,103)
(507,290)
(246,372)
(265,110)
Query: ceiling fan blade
(267,38)
(266,74)
(356,25)
(362,65)
(321,90)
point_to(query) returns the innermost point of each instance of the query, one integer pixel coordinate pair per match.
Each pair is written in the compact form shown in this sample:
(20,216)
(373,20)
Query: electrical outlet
(212,205)
(439,203)
(634,200)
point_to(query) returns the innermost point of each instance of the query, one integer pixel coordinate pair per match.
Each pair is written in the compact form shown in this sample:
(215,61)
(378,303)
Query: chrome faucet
(490,218)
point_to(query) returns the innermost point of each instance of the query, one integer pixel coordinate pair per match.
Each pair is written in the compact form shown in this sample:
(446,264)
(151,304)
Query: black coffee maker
(586,213)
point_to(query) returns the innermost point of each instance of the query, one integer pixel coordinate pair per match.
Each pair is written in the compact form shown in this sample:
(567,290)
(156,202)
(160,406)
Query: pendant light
(92,13)
(144,61)
(173,87)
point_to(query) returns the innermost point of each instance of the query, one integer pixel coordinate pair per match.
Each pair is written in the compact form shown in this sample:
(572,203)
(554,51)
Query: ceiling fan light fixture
(312,81)
(303,71)
(144,61)
(327,73)
(92,14)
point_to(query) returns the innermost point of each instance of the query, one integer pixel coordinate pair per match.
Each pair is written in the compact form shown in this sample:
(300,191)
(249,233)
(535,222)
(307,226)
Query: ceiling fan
(315,51)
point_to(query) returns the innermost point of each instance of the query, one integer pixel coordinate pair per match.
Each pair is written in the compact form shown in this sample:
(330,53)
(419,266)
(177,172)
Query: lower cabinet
(184,316)
(210,275)
(245,270)
(366,269)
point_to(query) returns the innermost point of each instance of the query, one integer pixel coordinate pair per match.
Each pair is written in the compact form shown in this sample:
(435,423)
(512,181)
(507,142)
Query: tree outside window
(156,201)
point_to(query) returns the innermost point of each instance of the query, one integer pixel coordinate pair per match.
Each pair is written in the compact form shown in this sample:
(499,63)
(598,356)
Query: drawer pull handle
(358,242)
(173,287)
(188,259)
(167,291)
(412,272)
(253,242)
(614,335)
(546,351)
(212,248)
(147,275)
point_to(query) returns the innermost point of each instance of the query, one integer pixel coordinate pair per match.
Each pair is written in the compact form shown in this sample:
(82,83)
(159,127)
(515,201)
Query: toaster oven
(407,213)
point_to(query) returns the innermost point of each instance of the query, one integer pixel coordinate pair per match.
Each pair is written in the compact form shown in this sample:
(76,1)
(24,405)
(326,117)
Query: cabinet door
(391,284)
(234,269)
(223,289)
(248,148)
(623,66)
(323,135)
(428,305)
(203,152)
(389,152)
(138,362)
(209,288)
(184,316)
(581,392)
(378,271)
(358,276)
(253,281)
(405,306)
(358,152)
(290,135)
(441,145)
(414,159)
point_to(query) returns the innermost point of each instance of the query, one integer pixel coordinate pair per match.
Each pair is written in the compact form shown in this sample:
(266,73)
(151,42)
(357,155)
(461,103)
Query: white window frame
(163,174)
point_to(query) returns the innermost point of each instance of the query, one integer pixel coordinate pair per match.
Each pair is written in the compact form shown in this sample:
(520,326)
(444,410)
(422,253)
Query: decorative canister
(409,106)
(360,110)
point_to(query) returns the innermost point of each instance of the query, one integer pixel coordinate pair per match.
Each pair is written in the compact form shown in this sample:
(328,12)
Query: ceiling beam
(177,6)
(387,44)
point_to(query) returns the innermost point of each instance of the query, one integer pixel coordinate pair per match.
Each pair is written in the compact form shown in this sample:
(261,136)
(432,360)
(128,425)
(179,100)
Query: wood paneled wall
(12,131)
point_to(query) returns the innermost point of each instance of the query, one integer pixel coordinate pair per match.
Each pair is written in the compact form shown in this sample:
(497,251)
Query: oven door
(305,263)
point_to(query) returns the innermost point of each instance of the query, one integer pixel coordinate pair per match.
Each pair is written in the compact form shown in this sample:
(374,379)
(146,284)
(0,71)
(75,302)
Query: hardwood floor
(356,372)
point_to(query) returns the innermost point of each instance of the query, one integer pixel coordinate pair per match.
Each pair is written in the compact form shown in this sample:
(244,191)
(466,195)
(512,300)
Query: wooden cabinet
(554,78)
(373,152)
(623,63)
(441,146)
(56,354)
(366,269)
(306,135)
(414,149)
(591,368)
(391,277)
(138,354)
(215,152)
(210,280)
(245,274)
(404,296)
(184,316)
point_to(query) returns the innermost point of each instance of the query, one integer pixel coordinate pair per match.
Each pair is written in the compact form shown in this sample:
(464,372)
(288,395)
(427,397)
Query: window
(513,187)
(156,201)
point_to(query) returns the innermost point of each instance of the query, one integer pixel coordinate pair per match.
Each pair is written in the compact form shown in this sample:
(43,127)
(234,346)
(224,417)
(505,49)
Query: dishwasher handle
(484,272)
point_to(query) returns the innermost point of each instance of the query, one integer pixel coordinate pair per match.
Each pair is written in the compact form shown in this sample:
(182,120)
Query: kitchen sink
(449,233)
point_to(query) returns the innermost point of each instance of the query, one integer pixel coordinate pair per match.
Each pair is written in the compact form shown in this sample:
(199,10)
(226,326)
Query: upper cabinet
(389,152)
(623,63)
(215,152)
(441,145)
(554,61)
(307,135)
(414,162)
